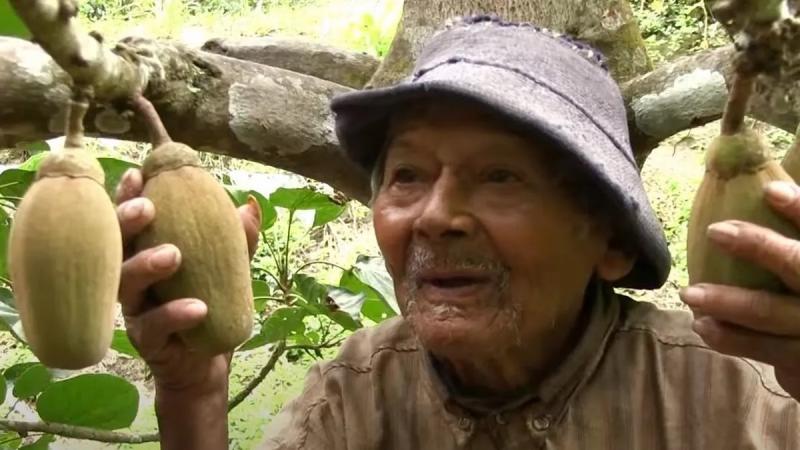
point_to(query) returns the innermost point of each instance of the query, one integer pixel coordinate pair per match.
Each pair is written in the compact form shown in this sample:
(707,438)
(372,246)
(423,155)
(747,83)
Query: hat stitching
(569,100)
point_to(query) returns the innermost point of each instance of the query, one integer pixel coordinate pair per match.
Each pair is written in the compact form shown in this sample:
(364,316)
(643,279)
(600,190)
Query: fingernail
(723,232)
(197,307)
(132,210)
(693,296)
(164,258)
(782,193)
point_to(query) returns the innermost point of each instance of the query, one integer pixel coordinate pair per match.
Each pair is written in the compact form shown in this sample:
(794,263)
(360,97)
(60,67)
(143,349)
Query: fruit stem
(738,101)
(78,105)
(155,127)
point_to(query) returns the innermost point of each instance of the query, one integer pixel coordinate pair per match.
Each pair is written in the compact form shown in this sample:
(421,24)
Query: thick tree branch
(75,432)
(692,91)
(210,102)
(330,63)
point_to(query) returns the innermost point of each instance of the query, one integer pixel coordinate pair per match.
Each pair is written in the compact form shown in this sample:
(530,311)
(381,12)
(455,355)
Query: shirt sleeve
(312,421)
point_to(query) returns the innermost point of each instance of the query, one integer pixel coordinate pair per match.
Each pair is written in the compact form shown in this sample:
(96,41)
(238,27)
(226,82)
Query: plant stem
(155,127)
(75,432)
(78,106)
(738,101)
(280,348)
(325,263)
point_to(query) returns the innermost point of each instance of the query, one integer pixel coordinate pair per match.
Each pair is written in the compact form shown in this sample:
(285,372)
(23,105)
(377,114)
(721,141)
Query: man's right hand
(182,377)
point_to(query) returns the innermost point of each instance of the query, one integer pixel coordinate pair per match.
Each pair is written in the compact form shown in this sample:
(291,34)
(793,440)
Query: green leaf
(238,196)
(309,288)
(12,373)
(9,440)
(268,213)
(33,381)
(15,182)
(9,317)
(100,401)
(281,324)
(43,443)
(10,23)
(5,230)
(3,390)
(260,292)
(374,307)
(34,147)
(347,301)
(114,169)
(340,317)
(33,162)
(373,272)
(122,344)
(325,209)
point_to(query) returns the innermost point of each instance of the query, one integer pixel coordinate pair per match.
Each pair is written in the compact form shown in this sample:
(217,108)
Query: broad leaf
(373,272)
(12,373)
(373,307)
(238,196)
(325,209)
(268,213)
(34,161)
(9,440)
(43,443)
(260,294)
(347,301)
(3,389)
(15,182)
(9,317)
(5,230)
(114,169)
(282,323)
(32,381)
(310,289)
(340,317)
(122,344)
(10,23)
(100,401)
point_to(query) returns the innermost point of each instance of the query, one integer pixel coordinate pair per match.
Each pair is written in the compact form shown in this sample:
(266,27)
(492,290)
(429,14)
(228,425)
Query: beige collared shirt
(638,378)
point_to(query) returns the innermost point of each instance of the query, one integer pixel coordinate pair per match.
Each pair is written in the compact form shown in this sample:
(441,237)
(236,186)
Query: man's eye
(501,176)
(405,175)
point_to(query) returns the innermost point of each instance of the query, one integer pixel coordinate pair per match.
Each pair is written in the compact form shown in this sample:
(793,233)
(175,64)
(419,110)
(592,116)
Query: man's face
(486,252)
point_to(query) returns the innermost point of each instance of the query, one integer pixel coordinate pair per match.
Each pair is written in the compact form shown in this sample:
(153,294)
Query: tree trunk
(607,24)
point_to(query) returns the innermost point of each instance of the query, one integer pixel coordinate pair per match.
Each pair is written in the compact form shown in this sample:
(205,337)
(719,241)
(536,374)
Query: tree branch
(692,91)
(280,348)
(75,432)
(210,102)
(330,63)
(82,55)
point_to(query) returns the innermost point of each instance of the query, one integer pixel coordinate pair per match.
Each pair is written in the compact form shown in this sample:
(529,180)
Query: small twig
(155,127)
(75,432)
(74,127)
(280,348)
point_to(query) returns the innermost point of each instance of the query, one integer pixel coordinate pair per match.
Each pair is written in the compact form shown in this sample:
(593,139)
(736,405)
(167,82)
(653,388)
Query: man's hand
(182,377)
(759,325)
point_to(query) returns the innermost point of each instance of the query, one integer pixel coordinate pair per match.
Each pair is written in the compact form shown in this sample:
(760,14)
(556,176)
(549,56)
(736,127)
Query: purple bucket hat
(540,81)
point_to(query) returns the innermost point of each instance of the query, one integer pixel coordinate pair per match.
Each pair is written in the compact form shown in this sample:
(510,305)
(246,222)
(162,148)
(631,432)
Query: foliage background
(672,173)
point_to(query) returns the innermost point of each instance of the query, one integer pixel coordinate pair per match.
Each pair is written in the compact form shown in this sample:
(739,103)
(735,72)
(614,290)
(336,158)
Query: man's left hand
(759,325)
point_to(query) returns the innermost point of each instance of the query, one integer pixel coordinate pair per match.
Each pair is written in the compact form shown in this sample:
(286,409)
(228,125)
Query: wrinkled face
(485,250)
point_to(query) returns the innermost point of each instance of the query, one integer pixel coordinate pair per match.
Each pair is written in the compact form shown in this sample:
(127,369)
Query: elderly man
(508,206)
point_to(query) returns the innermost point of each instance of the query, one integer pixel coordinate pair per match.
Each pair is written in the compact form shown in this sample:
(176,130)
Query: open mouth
(448,286)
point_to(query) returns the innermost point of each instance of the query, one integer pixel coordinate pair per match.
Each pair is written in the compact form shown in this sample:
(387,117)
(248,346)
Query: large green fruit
(738,168)
(65,257)
(195,213)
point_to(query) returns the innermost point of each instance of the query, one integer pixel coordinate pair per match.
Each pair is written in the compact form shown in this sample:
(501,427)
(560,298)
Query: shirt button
(540,423)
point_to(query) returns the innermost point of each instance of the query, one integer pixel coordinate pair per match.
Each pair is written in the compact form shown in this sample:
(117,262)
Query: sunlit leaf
(325,209)
(373,272)
(32,381)
(10,440)
(10,23)
(347,301)
(282,323)
(374,306)
(100,401)
(114,168)
(3,389)
(33,162)
(122,344)
(15,182)
(43,443)
(260,294)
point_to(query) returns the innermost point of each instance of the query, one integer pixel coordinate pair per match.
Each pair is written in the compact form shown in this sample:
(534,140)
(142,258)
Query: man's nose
(447,211)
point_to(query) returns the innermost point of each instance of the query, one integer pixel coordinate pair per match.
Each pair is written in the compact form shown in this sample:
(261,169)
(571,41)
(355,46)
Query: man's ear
(615,264)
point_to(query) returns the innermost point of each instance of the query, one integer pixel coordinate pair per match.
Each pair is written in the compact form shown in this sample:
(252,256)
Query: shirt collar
(555,391)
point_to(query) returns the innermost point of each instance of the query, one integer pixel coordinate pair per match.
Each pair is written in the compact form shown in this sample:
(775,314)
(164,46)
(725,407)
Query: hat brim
(362,121)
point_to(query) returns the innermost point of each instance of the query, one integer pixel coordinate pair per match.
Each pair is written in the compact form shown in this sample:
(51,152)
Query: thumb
(250,213)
